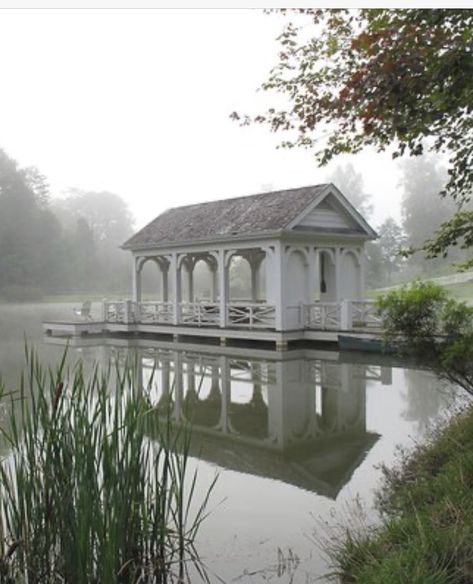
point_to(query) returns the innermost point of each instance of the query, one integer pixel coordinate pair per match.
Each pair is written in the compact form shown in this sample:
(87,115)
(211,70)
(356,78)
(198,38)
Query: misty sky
(137,102)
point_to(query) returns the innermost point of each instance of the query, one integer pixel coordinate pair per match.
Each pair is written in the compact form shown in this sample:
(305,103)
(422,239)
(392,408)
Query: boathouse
(305,251)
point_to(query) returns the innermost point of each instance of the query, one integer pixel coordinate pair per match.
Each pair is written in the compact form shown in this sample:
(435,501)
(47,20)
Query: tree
(381,78)
(350,183)
(384,255)
(29,236)
(98,223)
(422,214)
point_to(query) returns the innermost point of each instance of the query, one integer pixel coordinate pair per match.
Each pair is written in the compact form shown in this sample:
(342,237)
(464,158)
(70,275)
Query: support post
(346,315)
(213,284)
(190,276)
(338,279)
(223,287)
(136,280)
(165,274)
(255,292)
(176,301)
(277,281)
(311,274)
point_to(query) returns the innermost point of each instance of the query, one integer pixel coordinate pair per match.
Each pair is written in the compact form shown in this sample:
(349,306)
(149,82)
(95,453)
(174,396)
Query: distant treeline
(59,245)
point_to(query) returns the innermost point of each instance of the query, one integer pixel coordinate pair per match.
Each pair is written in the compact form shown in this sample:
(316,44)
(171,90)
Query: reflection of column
(257,397)
(139,374)
(136,280)
(191,376)
(386,376)
(177,385)
(214,383)
(226,394)
(165,380)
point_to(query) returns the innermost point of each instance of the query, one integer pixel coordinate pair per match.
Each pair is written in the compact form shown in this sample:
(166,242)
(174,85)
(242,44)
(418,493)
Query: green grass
(427,505)
(85,495)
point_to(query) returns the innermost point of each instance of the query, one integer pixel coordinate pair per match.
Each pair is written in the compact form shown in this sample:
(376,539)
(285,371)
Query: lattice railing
(363,314)
(200,313)
(251,315)
(115,311)
(322,315)
(155,312)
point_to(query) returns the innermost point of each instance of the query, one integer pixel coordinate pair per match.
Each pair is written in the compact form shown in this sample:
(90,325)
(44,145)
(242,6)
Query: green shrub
(433,327)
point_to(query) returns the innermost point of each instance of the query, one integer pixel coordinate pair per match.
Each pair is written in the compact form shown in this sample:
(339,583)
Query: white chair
(84,310)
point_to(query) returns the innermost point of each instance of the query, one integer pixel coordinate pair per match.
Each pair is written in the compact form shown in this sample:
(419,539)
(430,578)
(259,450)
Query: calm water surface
(295,438)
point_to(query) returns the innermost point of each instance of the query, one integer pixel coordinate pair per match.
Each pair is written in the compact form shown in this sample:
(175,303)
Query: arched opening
(350,277)
(153,285)
(239,277)
(298,276)
(204,281)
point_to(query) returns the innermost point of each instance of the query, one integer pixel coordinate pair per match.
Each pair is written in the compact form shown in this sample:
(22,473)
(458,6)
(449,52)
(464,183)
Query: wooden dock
(281,339)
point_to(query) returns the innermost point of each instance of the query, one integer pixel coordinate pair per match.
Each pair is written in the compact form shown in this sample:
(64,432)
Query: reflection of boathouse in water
(301,420)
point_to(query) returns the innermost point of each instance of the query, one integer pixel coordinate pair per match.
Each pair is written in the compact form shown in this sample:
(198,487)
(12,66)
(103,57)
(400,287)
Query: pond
(296,438)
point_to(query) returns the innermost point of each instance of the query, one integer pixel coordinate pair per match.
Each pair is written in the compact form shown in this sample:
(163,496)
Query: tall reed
(85,496)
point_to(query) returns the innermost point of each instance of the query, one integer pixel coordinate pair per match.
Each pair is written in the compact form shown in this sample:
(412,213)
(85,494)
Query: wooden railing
(345,315)
(251,315)
(199,313)
(322,315)
(116,311)
(154,312)
(363,314)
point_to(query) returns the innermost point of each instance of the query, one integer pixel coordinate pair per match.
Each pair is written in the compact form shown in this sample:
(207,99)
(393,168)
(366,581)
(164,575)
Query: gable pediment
(332,212)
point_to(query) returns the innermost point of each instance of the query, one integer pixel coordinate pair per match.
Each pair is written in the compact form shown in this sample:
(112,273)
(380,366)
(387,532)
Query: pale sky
(137,102)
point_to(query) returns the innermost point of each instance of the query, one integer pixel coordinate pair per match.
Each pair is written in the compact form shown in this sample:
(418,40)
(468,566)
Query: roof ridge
(247,196)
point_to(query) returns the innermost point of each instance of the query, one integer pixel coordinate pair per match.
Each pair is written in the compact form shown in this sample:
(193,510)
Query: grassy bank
(427,505)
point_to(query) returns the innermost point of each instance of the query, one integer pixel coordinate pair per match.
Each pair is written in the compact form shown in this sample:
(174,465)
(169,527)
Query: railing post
(127,316)
(346,315)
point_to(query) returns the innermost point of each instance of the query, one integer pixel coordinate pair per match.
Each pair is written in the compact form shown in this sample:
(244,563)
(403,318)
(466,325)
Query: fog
(136,104)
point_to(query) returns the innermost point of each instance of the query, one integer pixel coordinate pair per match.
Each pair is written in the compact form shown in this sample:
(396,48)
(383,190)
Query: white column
(190,276)
(255,263)
(223,287)
(213,284)
(176,301)
(362,258)
(312,271)
(277,281)
(165,275)
(136,280)
(338,279)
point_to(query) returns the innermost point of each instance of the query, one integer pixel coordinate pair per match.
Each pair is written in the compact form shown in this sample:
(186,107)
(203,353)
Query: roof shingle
(265,212)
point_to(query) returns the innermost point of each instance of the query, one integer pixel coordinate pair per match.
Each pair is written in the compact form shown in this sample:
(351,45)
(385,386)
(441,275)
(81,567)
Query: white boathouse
(305,251)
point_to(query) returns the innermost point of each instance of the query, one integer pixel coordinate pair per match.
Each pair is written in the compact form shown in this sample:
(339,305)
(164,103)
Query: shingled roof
(253,214)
